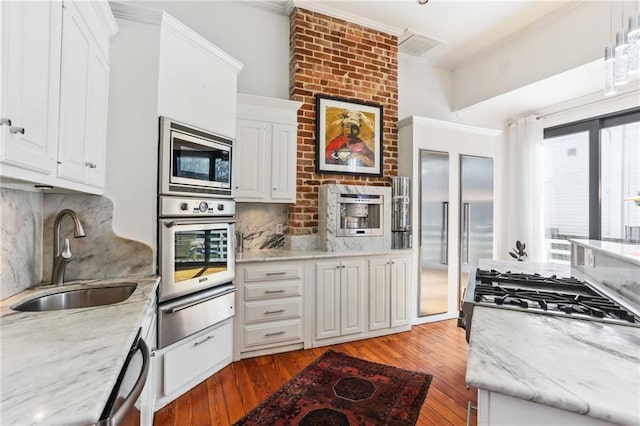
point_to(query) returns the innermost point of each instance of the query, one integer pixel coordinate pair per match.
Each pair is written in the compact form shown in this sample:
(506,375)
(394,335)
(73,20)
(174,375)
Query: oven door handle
(197,221)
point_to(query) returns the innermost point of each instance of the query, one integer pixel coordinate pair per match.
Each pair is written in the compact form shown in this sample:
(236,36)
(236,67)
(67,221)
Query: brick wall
(333,57)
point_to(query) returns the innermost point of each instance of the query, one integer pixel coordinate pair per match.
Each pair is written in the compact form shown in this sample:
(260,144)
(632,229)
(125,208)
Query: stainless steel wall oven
(196,259)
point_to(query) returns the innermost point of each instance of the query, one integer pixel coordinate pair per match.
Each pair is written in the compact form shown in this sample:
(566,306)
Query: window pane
(620,178)
(566,193)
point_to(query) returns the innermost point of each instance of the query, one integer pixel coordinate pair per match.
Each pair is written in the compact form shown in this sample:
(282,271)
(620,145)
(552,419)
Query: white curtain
(522,186)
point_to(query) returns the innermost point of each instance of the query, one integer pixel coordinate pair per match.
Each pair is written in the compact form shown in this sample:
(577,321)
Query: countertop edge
(280,255)
(609,251)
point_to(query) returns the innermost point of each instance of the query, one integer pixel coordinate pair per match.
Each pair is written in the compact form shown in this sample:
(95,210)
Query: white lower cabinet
(496,409)
(183,365)
(389,280)
(339,298)
(294,304)
(269,317)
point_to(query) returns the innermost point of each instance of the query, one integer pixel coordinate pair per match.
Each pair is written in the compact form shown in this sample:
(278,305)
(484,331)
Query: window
(590,167)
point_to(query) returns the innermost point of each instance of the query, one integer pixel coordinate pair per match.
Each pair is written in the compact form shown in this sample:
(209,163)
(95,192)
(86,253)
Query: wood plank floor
(437,348)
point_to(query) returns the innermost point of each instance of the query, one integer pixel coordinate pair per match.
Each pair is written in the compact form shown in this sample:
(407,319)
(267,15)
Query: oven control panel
(190,207)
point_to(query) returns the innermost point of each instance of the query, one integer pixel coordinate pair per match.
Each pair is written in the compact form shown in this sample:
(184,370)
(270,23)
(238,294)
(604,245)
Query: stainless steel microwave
(193,161)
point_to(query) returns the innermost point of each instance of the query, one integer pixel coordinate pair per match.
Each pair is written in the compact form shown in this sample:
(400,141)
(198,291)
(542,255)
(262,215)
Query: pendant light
(633,37)
(621,53)
(609,65)
(609,60)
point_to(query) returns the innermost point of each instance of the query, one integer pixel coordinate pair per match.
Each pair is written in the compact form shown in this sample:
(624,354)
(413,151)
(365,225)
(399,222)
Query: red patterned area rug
(338,389)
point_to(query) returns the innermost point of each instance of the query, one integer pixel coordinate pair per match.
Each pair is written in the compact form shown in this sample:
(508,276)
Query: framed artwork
(348,137)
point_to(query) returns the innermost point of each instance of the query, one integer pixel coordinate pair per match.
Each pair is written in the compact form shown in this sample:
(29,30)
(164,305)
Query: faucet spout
(62,257)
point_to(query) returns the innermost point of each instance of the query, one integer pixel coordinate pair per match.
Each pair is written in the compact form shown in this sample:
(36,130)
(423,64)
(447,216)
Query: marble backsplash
(258,222)
(26,240)
(20,240)
(101,254)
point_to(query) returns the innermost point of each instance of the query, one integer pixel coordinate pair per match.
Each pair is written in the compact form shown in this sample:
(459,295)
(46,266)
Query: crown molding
(281,7)
(323,8)
(190,36)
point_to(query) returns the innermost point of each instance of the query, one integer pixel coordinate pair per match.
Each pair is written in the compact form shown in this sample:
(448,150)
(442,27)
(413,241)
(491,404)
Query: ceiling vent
(415,44)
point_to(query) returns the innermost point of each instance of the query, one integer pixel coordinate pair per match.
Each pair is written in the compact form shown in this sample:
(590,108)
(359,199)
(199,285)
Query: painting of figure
(349,137)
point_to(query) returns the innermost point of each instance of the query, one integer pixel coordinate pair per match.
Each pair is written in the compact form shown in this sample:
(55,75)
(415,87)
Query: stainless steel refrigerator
(474,239)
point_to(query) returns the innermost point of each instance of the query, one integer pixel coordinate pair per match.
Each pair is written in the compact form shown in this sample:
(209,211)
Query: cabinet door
(30,82)
(379,292)
(283,163)
(352,297)
(250,160)
(400,281)
(74,95)
(328,299)
(97,119)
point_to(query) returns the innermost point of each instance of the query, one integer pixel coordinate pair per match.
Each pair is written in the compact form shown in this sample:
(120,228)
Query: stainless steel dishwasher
(121,407)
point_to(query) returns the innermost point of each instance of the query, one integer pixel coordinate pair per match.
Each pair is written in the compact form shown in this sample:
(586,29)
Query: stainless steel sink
(78,298)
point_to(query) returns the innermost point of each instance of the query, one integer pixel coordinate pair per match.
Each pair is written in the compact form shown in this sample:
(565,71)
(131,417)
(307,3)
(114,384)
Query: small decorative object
(348,136)
(518,252)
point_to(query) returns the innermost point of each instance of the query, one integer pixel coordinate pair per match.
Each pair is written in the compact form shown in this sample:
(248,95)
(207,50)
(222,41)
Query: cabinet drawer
(273,310)
(271,333)
(189,360)
(271,290)
(273,273)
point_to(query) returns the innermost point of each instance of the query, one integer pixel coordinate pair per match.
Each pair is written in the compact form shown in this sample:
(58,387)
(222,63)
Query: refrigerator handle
(466,225)
(445,233)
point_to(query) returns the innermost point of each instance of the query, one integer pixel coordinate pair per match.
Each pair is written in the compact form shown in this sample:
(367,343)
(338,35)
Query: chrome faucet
(62,257)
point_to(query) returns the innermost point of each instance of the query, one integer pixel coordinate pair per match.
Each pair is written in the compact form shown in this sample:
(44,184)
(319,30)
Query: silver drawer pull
(277,333)
(204,340)
(470,407)
(274,312)
(274,291)
(269,274)
(5,122)
(15,130)
(90,165)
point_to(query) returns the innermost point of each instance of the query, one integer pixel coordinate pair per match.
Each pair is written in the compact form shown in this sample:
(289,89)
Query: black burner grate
(569,296)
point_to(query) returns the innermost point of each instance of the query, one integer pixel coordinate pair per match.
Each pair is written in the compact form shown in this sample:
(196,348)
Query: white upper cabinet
(196,79)
(29,86)
(250,160)
(265,161)
(55,75)
(84,92)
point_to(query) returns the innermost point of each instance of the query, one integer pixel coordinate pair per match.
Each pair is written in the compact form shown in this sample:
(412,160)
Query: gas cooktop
(551,295)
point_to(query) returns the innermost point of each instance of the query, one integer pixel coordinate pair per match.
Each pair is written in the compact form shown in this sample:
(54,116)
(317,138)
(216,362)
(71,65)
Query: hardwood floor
(437,348)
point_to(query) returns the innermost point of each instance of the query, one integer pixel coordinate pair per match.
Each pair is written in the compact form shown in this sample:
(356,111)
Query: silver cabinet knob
(15,130)
(90,165)
(5,121)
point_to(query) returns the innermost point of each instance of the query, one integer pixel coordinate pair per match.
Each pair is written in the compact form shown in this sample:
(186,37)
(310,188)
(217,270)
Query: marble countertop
(59,367)
(582,366)
(282,254)
(627,252)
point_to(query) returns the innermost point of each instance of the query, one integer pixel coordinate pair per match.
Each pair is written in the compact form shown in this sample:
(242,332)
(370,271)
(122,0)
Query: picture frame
(348,136)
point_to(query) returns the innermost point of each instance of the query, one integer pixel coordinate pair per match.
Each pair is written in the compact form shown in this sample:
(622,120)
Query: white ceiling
(464,28)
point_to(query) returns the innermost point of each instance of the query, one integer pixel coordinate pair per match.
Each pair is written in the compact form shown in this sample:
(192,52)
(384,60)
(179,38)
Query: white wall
(256,37)
(424,90)
(574,36)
